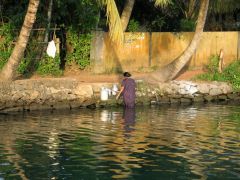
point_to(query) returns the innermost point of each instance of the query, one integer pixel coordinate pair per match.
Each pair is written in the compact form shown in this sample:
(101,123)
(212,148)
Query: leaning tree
(10,68)
(171,70)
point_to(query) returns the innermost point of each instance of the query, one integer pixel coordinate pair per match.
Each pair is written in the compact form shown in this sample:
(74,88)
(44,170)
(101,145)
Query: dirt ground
(188,75)
(88,77)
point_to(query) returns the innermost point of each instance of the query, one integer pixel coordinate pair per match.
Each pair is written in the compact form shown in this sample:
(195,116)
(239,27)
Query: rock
(83,91)
(198,99)
(223,97)
(164,100)
(174,101)
(34,95)
(215,91)
(186,100)
(203,88)
(208,98)
(232,96)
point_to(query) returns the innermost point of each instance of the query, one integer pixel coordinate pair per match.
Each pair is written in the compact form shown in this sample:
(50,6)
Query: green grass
(230,74)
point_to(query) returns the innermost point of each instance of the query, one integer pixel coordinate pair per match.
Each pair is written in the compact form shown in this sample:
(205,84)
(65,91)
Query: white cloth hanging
(51,49)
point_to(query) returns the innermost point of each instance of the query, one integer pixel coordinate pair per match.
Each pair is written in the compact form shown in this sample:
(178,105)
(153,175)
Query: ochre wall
(135,55)
(131,55)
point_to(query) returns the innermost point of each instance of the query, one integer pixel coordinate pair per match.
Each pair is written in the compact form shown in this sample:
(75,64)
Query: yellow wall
(134,53)
(130,56)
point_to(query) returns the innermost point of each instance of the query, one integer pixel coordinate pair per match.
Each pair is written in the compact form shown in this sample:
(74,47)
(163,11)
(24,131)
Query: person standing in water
(128,90)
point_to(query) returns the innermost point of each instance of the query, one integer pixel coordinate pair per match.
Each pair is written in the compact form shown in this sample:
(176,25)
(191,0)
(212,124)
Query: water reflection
(201,142)
(129,119)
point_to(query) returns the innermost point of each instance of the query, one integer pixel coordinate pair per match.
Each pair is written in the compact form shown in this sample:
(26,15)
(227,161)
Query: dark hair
(126,74)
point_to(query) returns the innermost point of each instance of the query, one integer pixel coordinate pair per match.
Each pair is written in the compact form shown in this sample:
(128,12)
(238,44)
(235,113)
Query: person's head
(126,74)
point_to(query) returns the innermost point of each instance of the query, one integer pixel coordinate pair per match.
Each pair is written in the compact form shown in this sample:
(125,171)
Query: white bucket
(104,94)
(114,89)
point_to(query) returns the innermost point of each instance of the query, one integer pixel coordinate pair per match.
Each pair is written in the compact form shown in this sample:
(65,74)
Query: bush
(22,68)
(231,73)
(49,66)
(133,26)
(6,39)
(213,64)
(4,57)
(81,45)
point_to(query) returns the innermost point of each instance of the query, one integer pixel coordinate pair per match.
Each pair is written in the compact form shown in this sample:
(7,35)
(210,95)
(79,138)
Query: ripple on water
(197,142)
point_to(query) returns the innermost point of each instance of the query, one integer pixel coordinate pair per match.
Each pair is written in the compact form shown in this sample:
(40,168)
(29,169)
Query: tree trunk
(171,70)
(9,70)
(126,14)
(49,17)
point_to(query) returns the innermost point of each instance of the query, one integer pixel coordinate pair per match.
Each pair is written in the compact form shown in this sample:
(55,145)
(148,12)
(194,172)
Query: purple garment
(129,92)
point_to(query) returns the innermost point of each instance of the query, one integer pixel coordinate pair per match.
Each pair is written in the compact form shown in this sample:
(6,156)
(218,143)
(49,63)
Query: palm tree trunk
(9,70)
(171,70)
(126,14)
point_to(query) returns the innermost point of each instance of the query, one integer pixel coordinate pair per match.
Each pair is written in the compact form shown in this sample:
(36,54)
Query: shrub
(231,73)
(6,39)
(213,64)
(49,66)
(4,57)
(22,68)
(81,45)
(133,26)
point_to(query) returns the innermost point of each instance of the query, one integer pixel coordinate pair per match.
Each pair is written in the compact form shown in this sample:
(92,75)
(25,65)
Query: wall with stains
(145,51)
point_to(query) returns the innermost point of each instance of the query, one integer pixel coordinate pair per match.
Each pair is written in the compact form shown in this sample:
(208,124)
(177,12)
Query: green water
(192,142)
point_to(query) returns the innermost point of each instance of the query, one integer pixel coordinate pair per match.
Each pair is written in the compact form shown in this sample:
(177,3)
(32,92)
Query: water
(201,142)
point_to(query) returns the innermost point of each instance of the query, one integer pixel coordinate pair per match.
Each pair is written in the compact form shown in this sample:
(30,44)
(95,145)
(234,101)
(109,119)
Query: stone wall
(27,95)
(182,92)
(43,94)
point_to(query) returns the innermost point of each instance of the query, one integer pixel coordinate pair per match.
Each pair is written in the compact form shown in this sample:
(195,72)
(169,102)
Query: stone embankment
(27,95)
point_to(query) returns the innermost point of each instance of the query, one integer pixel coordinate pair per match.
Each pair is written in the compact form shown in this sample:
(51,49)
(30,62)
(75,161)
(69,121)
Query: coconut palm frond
(162,3)
(114,21)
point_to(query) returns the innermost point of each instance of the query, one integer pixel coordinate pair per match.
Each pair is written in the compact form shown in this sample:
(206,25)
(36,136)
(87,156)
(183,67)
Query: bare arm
(120,92)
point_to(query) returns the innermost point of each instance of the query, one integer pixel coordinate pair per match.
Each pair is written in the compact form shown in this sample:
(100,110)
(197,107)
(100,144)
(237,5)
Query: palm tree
(114,21)
(126,13)
(9,70)
(171,70)
(116,25)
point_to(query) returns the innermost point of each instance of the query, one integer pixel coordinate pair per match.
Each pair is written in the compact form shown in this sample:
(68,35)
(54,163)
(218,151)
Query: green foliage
(6,39)
(4,57)
(81,45)
(133,26)
(7,36)
(26,64)
(187,25)
(157,24)
(82,15)
(49,66)
(212,67)
(23,65)
(230,73)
